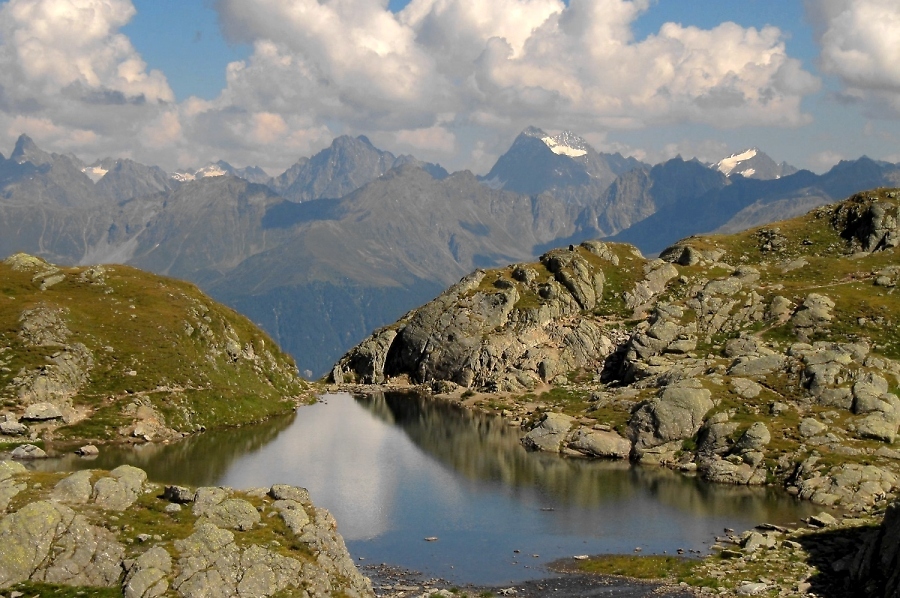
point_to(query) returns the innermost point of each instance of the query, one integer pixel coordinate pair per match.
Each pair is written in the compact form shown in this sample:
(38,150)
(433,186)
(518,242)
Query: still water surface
(395,469)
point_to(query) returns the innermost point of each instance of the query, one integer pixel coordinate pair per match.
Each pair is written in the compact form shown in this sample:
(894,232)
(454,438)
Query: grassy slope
(136,326)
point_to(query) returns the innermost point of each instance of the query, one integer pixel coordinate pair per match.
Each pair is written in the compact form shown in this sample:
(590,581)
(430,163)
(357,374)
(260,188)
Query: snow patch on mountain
(95,173)
(210,170)
(566,144)
(562,150)
(727,165)
(182,176)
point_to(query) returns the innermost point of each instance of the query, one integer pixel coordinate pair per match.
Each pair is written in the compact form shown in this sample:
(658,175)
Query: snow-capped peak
(727,165)
(566,144)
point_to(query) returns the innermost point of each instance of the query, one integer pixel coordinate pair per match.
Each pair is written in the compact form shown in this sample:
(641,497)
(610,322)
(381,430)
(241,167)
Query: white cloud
(70,79)
(860,43)
(433,138)
(453,79)
(501,65)
(824,160)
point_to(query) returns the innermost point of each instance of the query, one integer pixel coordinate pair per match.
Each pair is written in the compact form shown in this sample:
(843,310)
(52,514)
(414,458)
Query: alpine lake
(430,487)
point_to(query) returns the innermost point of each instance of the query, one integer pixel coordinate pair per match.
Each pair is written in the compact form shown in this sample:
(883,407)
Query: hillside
(111,353)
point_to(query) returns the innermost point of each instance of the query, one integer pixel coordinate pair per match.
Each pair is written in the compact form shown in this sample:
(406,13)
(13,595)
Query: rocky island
(764,357)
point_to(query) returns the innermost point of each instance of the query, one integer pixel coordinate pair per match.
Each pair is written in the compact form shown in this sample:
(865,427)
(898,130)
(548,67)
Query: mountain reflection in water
(484,448)
(397,468)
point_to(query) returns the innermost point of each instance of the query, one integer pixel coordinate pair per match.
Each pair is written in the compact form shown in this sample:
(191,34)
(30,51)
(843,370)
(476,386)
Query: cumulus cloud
(860,43)
(824,160)
(70,79)
(447,80)
(500,65)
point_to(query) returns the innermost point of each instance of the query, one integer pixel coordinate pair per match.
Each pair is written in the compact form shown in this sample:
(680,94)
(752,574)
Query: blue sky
(183,39)
(182,82)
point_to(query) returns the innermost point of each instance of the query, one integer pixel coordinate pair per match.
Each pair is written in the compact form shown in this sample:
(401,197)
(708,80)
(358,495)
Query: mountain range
(351,238)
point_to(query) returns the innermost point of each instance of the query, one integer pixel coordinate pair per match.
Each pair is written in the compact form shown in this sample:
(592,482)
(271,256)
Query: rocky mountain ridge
(284,262)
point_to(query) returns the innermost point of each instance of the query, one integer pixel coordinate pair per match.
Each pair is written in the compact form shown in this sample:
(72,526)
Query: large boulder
(600,443)
(233,513)
(120,489)
(550,434)
(75,488)
(42,412)
(677,413)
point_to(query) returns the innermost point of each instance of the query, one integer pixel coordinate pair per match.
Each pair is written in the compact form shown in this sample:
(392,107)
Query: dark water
(395,469)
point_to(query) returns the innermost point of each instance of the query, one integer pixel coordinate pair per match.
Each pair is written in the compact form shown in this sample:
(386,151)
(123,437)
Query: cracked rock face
(506,333)
(47,541)
(211,564)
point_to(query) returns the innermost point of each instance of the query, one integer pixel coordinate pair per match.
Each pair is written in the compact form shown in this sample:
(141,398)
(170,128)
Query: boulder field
(118,532)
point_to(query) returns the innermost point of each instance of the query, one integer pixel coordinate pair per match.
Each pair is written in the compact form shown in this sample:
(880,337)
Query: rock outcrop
(88,530)
(877,564)
(509,330)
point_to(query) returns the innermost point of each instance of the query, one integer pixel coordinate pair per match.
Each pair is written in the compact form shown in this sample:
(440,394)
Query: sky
(181,83)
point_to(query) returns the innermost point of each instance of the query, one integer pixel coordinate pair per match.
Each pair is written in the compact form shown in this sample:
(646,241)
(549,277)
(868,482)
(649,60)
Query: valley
(353,237)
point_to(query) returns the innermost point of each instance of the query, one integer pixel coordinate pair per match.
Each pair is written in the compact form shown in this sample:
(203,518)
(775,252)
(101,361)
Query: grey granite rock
(49,542)
(675,414)
(233,513)
(26,452)
(42,412)
(75,488)
(119,491)
(600,443)
(550,434)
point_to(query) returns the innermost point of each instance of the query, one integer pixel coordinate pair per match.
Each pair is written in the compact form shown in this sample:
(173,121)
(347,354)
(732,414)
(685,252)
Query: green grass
(642,567)
(150,349)
(618,279)
(8,446)
(51,590)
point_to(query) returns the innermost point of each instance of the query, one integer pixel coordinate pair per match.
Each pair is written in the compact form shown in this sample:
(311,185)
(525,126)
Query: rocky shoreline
(768,357)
